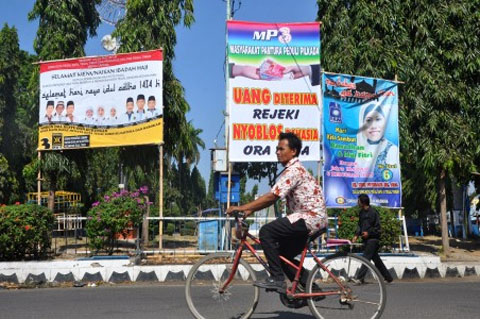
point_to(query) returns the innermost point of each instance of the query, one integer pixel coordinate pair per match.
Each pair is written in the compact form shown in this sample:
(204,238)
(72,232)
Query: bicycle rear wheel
(208,275)
(365,301)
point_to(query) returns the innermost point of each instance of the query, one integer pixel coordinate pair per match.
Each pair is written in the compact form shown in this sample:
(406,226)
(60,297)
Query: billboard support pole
(39,179)
(160,198)
(320,163)
(227,123)
(405,233)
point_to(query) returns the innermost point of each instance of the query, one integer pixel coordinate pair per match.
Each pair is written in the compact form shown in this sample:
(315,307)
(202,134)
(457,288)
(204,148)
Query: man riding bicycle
(307,214)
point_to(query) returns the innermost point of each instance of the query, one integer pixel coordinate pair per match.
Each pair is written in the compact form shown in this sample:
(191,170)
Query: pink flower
(107,198)
(95,204)
(144,189)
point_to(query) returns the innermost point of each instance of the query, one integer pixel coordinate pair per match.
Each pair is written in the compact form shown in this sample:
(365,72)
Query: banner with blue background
(361,141)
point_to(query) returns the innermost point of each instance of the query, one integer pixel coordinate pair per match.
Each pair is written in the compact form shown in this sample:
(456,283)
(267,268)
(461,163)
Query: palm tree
(188,144)
(55,167)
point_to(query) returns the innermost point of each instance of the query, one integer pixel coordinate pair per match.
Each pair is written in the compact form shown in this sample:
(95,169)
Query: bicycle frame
(240,226)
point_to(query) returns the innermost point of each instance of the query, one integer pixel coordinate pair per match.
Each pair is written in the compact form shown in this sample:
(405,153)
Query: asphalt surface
(442,298)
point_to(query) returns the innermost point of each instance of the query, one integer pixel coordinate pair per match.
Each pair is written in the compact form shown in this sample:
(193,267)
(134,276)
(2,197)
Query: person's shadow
(281,315)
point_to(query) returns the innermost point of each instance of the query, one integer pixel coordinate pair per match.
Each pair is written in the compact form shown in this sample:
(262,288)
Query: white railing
(72,226)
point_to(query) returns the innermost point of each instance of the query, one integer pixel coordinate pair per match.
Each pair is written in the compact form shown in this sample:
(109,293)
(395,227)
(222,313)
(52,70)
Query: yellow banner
(62,136)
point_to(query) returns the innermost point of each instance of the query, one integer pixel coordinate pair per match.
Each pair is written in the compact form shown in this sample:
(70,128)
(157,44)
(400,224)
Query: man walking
(369,229)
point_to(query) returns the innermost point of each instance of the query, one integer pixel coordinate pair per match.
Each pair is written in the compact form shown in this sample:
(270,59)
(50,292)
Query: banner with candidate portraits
(103,101)
(273,87)
(361,141)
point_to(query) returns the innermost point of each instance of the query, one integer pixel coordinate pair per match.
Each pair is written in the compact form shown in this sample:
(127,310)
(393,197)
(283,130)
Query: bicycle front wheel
(207,277)
(365,300)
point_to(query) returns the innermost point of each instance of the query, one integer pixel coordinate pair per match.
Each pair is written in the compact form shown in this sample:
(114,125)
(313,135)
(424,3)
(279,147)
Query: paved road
(453,298)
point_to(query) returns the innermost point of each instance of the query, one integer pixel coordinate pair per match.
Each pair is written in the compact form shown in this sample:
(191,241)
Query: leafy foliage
(246,197)
(391,227)
(112,215)
(151,25)
(25,232)
(8,183)
(434,49)
(64,27)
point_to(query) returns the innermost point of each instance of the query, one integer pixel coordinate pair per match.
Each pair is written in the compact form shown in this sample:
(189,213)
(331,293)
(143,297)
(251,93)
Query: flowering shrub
(113,215)
(391,227)
(25,231)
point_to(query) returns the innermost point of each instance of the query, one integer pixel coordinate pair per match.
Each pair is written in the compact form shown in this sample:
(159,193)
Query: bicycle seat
(338,242)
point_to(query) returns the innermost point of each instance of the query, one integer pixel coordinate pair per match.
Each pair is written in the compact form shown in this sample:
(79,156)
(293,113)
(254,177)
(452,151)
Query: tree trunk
(145,226)
(51,195)
(443,211)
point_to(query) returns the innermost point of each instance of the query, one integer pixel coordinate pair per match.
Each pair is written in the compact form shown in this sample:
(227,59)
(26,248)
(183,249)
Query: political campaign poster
(273,87)
(102,101)
(361,141)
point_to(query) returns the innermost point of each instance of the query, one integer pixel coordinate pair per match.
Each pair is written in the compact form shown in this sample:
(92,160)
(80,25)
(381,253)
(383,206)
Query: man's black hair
(364,199)
(294,141)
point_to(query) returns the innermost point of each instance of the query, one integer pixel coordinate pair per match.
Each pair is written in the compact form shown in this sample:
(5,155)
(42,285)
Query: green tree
(148,25)
(434,50)
(10,153)
(55,167)
(26,119)
(64,27)
(198,189)
(151,25)
(259,171)
(442,95)
(8,182)
(188,144)
(211,202)
(9,73)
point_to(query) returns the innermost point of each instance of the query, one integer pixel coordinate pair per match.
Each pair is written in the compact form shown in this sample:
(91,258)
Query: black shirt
(370,222)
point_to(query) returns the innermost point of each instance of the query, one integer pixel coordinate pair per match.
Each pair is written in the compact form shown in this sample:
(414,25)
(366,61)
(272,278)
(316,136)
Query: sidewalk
(460,250)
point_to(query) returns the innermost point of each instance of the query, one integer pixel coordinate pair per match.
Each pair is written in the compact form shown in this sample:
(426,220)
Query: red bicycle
(220,285)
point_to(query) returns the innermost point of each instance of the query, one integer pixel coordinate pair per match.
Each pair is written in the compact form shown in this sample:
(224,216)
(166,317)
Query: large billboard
(273,86)
(103,101)
(361,141)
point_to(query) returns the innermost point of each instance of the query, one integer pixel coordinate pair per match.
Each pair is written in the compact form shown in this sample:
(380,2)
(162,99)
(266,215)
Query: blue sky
(200,54)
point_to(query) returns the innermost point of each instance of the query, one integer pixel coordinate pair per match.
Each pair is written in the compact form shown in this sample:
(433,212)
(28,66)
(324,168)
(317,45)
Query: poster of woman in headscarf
(361,141)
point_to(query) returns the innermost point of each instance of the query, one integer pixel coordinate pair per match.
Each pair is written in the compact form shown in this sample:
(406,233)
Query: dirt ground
(460,250)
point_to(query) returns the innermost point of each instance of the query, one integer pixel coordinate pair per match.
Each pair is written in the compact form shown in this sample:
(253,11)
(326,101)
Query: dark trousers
(370,252)
(280,237)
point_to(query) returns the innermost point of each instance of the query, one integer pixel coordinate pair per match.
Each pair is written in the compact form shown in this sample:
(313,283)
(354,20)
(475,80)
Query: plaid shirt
(304,196)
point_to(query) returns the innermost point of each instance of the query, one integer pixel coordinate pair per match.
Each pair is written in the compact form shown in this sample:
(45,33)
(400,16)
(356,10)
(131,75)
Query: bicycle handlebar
(238,215)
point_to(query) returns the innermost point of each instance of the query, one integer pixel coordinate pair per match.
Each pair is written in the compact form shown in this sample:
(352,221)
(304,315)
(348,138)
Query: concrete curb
(120,270)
